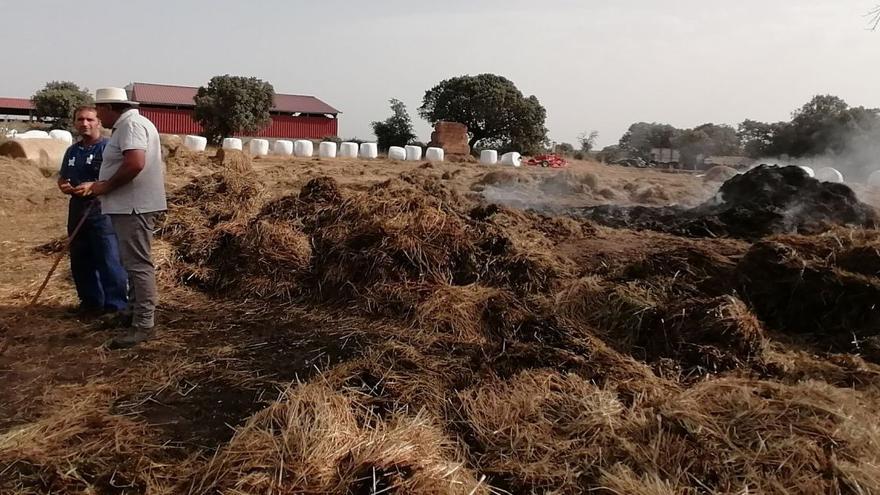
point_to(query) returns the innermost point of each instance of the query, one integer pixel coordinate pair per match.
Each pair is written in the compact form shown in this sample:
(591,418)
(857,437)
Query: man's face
(87,123)
(107,115)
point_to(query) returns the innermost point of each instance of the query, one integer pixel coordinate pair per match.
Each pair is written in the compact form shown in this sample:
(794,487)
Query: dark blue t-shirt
(81,163)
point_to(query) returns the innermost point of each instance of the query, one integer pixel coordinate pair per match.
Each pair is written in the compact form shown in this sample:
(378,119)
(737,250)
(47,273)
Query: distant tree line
(826,125)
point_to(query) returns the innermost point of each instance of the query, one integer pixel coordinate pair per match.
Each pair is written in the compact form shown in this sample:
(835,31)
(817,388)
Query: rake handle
(62,252)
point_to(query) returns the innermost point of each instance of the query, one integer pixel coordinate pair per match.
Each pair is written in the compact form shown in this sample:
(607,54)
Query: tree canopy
(496,112)
(231,105)
(706,140)
(642,137)
(57,101)
(824,125)
(587,140)
(396,130)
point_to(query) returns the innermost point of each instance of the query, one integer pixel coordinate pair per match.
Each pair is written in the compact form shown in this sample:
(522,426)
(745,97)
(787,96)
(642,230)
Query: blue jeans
(101,281)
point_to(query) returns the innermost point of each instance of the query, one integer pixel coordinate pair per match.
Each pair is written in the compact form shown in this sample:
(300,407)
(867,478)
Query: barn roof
(165,94)
(16,104)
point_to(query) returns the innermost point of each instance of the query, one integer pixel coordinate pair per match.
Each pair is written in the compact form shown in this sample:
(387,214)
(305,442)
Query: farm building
(16,109)
(665,155)
(171,109)
(293,116)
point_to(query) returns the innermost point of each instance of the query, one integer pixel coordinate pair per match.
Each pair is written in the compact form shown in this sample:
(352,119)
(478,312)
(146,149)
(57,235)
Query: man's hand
(65,187)
(91,189)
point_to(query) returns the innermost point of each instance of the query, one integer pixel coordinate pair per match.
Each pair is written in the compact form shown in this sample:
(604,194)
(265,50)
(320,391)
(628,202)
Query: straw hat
(112,95)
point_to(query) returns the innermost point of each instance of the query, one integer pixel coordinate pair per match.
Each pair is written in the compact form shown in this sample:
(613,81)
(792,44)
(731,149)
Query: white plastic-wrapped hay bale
(327,149)
(348,150)
(231,144)
(259,147)
(488,157)
(512,159)
(283,147)
(396,153)
(195,143)
(434,154)
(33,135)
(874,179)
(61,135)
(369,151)
(829,174)
(808,170)
(303,148)
(413,153)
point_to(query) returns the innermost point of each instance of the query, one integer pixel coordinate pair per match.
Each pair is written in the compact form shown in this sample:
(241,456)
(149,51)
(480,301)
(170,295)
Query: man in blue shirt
(101,281)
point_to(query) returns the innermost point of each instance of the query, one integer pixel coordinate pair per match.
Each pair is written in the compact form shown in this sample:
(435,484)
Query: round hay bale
(61,135)
(170,144)
(512,159)
(829,174)
(369,151)
(488,157)
(43,152)
(29,182)
(233,160)
(396,153)
(808,170)
(720,174)
(34,134)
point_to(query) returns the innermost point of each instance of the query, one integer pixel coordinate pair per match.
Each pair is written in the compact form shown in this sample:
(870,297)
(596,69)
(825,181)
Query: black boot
(120,319)
(130,338)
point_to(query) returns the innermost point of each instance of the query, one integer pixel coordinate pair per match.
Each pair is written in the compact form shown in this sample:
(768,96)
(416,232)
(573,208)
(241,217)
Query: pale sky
(593,64)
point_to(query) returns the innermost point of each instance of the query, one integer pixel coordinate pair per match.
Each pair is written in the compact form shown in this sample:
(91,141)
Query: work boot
(119,319)
(84,312)
(130,338)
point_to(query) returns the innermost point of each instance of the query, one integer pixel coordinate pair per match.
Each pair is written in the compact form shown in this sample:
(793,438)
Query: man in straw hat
(132,190)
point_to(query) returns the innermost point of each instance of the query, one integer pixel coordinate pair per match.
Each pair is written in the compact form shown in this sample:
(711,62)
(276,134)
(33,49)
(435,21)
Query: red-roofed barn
(16,109)
(293,116)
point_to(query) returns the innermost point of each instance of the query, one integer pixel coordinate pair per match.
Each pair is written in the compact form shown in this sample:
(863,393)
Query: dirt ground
(577,358)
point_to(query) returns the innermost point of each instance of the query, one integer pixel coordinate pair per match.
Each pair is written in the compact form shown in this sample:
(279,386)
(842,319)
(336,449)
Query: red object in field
(552,161)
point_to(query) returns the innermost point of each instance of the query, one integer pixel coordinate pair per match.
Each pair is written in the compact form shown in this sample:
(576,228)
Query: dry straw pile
(500,357)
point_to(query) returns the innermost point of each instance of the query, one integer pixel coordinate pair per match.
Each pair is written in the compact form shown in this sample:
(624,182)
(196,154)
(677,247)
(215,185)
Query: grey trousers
(135,234)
